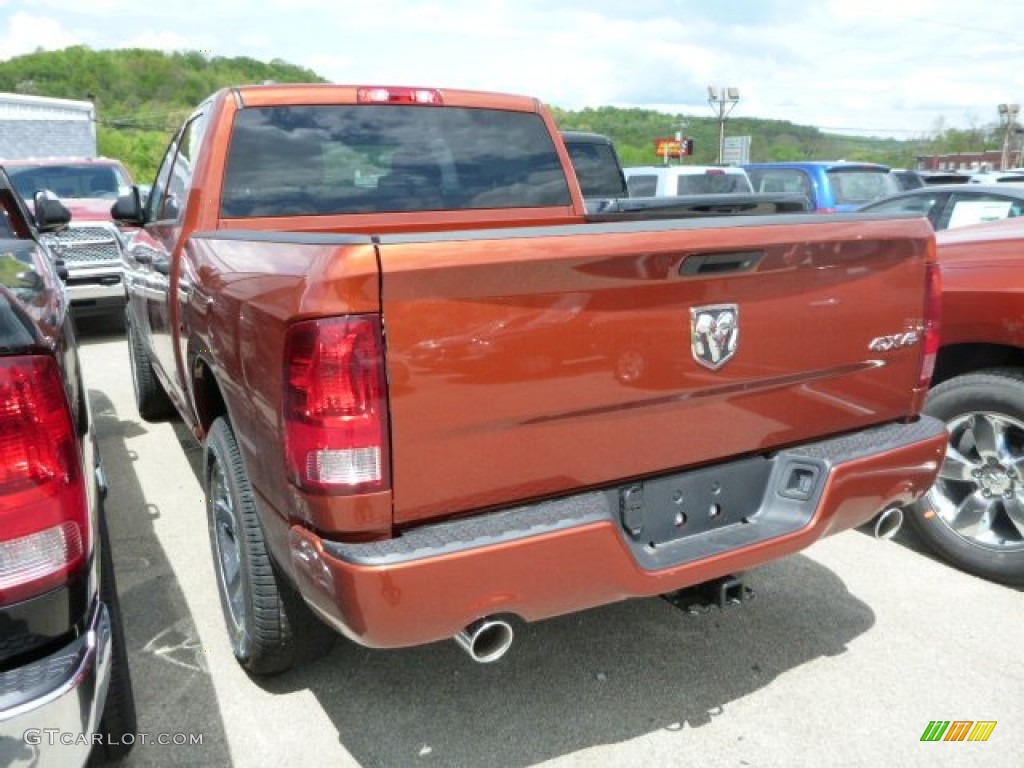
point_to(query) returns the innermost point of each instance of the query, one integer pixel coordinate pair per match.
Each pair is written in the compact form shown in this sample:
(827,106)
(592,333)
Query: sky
(900,68)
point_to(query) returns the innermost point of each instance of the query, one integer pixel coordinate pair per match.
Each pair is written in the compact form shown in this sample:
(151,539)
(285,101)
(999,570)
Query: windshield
(71,180)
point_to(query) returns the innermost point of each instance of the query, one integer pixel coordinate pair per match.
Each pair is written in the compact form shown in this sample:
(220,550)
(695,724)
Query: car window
(712,184)
(780,180)
(642,185)
(158,191)
(70,180)
(181,170)
(597,169)
(857,186)
(922,204)
(337,159)
(967,209)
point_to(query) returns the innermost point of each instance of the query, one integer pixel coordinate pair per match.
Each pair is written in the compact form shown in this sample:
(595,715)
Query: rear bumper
(49,709)
(577,552)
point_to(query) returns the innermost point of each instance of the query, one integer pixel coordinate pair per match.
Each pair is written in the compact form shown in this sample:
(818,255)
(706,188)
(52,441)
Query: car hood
(88,209)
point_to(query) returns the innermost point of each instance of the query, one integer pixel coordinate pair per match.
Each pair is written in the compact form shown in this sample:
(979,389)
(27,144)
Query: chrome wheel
(979,494)
(228,557)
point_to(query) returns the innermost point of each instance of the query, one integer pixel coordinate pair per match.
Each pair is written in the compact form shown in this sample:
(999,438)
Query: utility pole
(681,137)
(1008,117)
(722,101)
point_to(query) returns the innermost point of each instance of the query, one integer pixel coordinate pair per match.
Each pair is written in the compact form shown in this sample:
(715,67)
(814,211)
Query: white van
(674,180)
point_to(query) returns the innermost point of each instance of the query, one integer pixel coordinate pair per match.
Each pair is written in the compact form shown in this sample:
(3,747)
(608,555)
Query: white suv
(674,180)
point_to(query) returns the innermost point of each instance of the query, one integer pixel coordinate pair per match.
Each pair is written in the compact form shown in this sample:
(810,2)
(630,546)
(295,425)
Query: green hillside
(141,96)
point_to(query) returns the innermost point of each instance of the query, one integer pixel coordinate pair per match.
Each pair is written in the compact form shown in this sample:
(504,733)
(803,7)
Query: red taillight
(714,172)
(335,406)
(932,323)
(381,95)
(44,524)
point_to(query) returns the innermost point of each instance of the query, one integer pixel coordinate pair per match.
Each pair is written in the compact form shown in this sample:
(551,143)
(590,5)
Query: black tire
(973,517)
(119,716)
(150,398)
(270,628)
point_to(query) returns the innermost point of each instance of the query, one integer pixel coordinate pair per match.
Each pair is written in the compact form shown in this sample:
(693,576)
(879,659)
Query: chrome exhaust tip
(888,523)
(486,640)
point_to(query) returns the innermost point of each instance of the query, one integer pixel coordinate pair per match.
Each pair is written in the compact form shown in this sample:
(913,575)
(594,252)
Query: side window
(968,209)
(159,190)
(642,185)
(168,197)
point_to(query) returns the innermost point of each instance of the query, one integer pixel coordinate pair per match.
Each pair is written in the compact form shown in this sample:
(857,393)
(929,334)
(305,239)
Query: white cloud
(871,64)
(24,33)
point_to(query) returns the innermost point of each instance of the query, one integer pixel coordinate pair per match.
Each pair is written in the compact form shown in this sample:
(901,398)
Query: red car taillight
(335,406)
(44,524)
(932,323)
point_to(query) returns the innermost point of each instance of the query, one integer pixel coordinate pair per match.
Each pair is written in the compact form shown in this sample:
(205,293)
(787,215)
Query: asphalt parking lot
(847,653)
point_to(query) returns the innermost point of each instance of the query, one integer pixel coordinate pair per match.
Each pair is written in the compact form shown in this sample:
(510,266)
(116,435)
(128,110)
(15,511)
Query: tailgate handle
(720,263)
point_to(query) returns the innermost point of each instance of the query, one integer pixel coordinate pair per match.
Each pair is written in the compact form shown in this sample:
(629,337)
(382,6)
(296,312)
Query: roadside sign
(666,148)
(736,150)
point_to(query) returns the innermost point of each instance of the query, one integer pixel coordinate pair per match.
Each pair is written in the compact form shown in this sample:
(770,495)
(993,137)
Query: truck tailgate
(523,363)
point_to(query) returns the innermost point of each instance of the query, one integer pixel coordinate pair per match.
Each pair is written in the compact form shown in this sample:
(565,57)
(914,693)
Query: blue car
(830,186)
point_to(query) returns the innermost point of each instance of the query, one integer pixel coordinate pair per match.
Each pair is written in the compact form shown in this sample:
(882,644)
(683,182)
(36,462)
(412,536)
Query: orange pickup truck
(437,398)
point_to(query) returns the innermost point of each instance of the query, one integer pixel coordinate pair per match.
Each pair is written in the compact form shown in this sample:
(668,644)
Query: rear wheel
(973,516)
(269,626)
(150,397)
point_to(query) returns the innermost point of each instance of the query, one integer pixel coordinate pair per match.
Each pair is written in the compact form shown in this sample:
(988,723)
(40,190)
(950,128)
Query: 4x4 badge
(715,332)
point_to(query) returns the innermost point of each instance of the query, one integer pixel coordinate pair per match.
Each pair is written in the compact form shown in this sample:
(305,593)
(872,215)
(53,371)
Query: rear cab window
(345,159)
(858,186)
(712,183)
(780,180)
(642,185)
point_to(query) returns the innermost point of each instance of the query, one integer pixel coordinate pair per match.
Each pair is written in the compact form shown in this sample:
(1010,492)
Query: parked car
(830,186)
(974,515)
(63,662)
(92,246)
(672,180)
(956,205)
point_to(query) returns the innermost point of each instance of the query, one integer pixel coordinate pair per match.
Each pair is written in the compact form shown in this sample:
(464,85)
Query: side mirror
(128,209)
(49,212)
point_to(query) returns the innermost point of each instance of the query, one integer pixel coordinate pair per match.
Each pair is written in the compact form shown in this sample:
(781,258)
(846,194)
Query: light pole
(1008,117)
(722,102)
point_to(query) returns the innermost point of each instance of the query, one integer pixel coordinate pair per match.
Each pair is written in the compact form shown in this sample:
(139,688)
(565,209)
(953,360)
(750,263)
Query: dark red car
(65,689)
